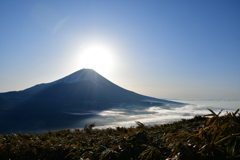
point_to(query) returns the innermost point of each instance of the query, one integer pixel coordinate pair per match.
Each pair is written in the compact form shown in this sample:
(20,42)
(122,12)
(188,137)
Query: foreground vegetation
(201,138)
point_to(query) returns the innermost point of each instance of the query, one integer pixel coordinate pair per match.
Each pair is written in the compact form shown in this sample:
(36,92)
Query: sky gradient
(165,49)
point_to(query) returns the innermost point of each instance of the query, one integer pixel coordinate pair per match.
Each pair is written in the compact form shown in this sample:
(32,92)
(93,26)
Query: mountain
(48,105)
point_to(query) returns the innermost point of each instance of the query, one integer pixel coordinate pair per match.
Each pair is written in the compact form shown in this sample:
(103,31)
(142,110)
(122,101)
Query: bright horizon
(164,49)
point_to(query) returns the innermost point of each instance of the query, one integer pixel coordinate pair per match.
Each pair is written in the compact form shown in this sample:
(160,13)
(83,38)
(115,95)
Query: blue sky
(165,49)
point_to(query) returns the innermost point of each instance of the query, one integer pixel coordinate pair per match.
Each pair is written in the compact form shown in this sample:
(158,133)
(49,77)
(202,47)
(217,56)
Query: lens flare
(97,56)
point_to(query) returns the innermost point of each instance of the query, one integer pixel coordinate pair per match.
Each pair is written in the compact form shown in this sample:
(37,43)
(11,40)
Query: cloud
(148,116)
(112,113)
(59,25)
(126,117)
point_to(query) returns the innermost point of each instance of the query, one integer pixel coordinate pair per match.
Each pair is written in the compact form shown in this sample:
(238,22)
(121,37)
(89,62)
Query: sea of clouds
(127,117)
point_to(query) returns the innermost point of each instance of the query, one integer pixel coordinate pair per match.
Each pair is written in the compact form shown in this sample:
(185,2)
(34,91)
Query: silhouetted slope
(46,105)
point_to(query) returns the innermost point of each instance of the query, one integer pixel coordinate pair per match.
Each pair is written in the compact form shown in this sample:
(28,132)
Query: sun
(97,56)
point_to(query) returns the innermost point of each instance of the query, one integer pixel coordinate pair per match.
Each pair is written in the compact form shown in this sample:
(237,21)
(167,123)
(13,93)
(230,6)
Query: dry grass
(201,138)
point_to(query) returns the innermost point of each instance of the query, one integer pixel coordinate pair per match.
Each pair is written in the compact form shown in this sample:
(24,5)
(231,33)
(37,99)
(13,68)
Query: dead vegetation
(200,138)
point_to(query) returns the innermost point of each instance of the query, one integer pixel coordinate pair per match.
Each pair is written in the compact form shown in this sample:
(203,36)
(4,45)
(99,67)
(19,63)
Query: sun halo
(97,57)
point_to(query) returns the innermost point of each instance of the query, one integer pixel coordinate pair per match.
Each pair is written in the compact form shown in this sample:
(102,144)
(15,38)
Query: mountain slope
(46,105)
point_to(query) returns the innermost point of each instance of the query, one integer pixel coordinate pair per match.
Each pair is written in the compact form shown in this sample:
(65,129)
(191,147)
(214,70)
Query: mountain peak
(84,75)
(81,75)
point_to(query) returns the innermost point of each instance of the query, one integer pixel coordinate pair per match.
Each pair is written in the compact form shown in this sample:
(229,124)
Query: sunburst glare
(97,56)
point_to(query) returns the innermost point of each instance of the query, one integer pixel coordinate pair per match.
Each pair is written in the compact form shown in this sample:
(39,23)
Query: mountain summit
(84,75)
(48,105)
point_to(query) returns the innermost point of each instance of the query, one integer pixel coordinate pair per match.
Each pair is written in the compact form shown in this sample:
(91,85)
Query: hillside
(201,138)
(46,106)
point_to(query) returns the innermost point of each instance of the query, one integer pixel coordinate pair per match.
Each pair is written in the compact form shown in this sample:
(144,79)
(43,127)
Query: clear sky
(160,48)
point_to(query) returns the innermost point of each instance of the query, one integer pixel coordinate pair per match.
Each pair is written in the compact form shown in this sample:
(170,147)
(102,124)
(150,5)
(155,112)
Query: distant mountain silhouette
(46,106)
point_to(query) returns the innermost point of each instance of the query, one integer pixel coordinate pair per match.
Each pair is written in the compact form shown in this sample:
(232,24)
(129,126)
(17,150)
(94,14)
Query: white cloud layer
(148,116)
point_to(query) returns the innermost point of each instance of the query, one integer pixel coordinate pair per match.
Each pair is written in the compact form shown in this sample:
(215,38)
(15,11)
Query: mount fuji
(49,105)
